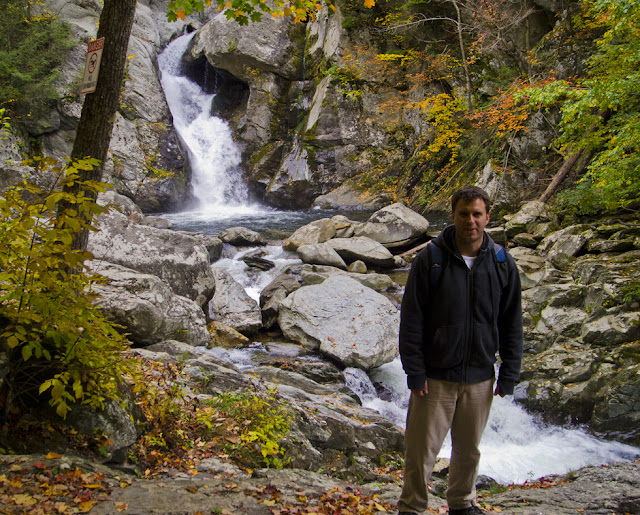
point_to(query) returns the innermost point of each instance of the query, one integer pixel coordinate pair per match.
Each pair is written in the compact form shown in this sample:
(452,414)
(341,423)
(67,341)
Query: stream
(516,445)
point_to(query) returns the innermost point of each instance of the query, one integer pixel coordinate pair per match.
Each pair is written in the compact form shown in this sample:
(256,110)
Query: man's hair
(469,194)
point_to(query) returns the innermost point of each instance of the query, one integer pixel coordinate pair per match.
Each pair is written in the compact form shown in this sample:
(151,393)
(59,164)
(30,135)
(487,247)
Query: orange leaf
(120,506)
(53,456)
(369,3)
(180,14)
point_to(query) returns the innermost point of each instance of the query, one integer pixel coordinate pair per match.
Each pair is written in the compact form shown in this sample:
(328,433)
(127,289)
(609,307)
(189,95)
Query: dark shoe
(471,510)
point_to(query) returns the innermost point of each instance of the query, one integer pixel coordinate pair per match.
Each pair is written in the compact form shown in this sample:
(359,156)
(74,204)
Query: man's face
(470,219)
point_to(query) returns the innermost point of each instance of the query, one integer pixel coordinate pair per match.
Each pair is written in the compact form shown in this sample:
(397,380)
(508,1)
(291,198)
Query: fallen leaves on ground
(335,501)
(43,487)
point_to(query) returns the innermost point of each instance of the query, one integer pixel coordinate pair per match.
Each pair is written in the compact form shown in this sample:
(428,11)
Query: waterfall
(213,155)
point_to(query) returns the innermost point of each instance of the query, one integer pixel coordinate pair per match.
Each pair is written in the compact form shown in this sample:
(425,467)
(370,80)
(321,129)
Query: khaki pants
(463,408)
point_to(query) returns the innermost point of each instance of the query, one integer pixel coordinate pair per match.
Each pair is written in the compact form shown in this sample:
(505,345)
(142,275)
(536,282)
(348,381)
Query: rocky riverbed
(336,307)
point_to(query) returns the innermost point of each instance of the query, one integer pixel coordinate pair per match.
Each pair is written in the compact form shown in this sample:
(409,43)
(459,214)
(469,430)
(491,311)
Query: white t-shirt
(469,260)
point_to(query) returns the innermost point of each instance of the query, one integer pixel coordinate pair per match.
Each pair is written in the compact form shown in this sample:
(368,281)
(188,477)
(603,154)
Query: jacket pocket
(484,345)
(447,347)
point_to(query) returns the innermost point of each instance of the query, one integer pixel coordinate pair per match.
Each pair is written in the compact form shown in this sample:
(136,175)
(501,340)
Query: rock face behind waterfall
(344,320)
(302,132)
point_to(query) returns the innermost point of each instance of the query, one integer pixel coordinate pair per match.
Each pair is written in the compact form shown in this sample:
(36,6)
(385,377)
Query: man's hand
(498,392)
(422,392)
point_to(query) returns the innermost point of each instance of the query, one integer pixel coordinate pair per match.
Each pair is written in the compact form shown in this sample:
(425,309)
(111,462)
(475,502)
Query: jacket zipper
(465,364)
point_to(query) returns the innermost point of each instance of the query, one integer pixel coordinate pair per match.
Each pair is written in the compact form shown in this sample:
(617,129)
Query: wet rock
(232,305)
(325,317)
(256,259)
(242,237)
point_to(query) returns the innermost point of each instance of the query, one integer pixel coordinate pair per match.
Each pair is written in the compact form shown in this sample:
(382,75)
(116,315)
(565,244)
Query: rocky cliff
(312,106)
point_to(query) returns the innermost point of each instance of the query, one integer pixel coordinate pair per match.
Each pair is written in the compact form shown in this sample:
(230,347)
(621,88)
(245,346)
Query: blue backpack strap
(500,253)
(435,266)
(501,264)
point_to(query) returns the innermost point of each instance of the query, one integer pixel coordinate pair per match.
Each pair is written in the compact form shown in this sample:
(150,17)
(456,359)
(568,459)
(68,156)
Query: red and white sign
(92,66)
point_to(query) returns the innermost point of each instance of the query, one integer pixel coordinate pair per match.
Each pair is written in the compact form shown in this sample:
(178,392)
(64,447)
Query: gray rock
(525,239)
(265,46)
(532,212)
(232,305)
(617,491)
(617,407)
(317,274)
(123,204)
(242,237)
(345,196)
(318,231)
(611,330)
(255,259)
(179,260)
(394,225)
(114,421)
(343,320)
(321,254)
(147,308)
(606,246)
(363,249)
(273,294)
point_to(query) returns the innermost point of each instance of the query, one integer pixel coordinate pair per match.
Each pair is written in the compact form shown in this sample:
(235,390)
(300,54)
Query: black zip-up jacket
(453,334)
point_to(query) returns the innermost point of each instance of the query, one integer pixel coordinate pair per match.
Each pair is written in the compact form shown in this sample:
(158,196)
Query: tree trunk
(560,176)
(99,108)
(463,53)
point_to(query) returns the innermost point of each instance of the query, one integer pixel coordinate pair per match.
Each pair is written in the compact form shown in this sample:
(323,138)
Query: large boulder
(242,237)
(321,254)
(273,294)
(232,306)
(394,226)
(240,49)
(147,308)
(178,259)
(317,231)
(345,196)
(364,249)
(344,320)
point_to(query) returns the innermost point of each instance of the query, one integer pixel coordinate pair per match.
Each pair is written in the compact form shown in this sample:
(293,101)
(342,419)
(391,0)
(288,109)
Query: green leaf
(27,352)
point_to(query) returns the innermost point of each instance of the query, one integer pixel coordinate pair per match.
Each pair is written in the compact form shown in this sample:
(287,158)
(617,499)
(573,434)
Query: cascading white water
(515,446)
(213,155)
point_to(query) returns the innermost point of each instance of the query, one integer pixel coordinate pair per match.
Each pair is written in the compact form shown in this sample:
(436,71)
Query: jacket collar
(446,240)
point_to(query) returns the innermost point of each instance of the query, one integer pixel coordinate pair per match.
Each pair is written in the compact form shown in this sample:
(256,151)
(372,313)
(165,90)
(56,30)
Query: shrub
(58,341)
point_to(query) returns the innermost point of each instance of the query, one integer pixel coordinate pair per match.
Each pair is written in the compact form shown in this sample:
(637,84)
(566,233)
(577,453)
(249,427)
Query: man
(449,335)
